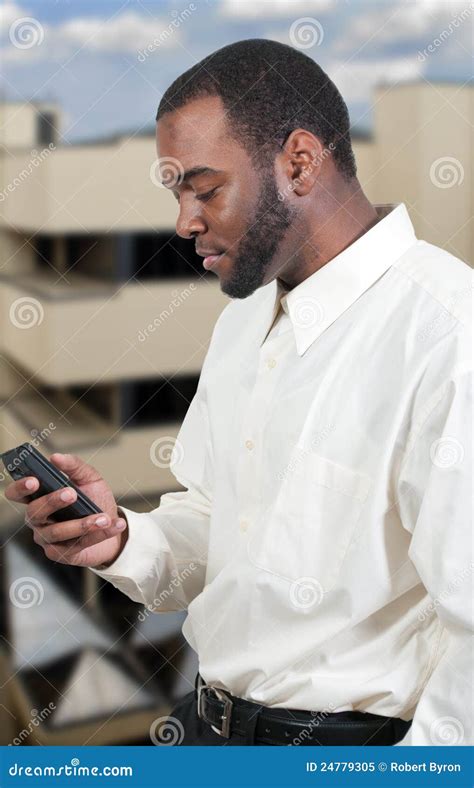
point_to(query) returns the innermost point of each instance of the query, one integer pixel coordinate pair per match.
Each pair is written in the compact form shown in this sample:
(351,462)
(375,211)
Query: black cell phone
(26,460)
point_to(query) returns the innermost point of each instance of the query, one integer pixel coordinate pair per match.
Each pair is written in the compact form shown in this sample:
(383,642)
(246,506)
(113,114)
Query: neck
(345,215)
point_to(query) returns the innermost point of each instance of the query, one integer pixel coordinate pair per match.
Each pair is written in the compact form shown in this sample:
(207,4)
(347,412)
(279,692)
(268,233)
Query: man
(321,546)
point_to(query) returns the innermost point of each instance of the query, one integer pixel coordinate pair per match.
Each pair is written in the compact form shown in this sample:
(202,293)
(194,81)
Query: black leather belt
(228,715)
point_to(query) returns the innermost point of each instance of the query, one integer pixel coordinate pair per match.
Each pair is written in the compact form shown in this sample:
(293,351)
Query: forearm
(162,562)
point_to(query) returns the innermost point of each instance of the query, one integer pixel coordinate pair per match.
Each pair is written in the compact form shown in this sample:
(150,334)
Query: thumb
(78,470)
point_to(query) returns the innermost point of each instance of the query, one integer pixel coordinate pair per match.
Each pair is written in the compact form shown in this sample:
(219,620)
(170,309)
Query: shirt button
(243,525)
(271,363)
(249,444)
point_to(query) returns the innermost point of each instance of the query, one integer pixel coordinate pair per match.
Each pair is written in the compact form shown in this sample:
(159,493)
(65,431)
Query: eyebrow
(194,171)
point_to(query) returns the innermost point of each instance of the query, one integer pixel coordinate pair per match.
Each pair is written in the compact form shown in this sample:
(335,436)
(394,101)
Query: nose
(189,223)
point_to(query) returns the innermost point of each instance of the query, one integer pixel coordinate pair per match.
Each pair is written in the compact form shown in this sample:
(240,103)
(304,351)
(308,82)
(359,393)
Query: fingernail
(30,484)
(121,524)
(101,520)
(67,495)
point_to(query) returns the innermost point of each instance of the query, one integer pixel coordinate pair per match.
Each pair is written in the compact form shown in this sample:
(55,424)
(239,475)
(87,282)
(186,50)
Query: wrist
(123,537)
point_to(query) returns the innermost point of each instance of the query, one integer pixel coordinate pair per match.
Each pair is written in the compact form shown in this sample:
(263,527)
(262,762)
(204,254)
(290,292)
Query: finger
(88,541)
(38,511)
(77,552)
(78,470)
(74,529)
(20,490)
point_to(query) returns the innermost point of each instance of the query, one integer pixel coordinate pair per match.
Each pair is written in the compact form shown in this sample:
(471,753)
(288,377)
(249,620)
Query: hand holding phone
(68,530)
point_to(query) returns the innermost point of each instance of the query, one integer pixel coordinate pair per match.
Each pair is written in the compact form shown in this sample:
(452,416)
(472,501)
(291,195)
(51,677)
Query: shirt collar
(323,296)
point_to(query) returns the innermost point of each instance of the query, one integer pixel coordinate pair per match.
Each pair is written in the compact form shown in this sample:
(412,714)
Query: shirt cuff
(139,561)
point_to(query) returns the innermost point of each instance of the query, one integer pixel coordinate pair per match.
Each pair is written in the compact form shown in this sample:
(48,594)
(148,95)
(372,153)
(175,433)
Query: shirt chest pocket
(306,532)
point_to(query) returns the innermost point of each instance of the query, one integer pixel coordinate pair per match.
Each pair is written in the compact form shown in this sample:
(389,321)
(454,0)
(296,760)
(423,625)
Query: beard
(258,246)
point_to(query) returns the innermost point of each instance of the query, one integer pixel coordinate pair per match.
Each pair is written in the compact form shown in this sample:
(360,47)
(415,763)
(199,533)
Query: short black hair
(269,89)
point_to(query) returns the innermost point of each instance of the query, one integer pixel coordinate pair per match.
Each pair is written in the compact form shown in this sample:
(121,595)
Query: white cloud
(9,12)
(128,32)
(266,9)
(399,22)
(385,25)
(283,36)
(356,80)
(444,5)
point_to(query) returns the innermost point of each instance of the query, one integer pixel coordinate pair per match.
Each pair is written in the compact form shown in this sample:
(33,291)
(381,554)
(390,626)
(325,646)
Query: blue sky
(89,56)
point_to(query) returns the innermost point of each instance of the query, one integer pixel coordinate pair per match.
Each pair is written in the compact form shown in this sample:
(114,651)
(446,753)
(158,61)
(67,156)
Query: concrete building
(106,315)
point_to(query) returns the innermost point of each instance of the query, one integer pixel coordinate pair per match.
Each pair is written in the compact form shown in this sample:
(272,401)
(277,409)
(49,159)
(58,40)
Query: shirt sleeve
(435,505)
(163,564)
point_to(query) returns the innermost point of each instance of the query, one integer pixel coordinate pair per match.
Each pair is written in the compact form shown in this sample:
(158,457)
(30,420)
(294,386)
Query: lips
(211,258)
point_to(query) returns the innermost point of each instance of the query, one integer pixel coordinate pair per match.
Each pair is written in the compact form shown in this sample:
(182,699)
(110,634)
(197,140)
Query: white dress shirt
(323,545)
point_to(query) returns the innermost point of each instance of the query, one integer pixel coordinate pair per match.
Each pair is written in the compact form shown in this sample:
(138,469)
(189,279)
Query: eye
(206,195)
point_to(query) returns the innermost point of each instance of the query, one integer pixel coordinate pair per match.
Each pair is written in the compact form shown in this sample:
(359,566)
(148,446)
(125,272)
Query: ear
(303,156)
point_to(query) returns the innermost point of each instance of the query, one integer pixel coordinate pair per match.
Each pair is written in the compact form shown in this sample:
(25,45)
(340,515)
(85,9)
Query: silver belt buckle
(225,729)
